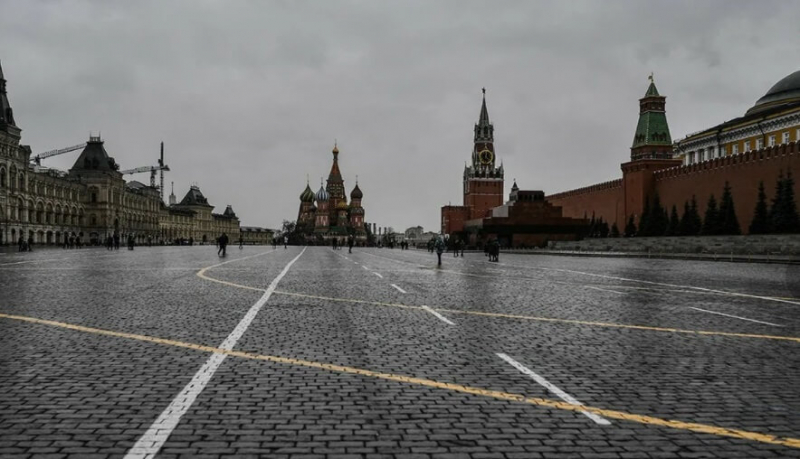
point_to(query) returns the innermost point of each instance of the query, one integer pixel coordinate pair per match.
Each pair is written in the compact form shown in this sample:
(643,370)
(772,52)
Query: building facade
(91,201)
(483,180)
(326,215)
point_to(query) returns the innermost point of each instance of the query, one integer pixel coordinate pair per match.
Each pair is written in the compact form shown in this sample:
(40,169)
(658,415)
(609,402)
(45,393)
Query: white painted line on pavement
(439,316)
(378,275)
(735,317)
(606,290)
(151,442)
(365,267)
(399,289)
(555,390)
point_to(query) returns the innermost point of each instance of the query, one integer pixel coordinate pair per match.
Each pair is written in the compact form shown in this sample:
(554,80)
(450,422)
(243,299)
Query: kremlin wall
(759,146)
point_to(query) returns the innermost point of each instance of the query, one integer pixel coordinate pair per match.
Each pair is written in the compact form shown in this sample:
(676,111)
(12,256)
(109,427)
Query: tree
(614,230)
(685,227)
(695,224)
(727,220)
(630,227)
(673,229)
(644,220)
(760,223)
(603,228)
(783,216)
(658,217)
(711,219)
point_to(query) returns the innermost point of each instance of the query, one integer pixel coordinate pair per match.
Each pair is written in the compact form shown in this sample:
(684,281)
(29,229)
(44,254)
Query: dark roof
(194,198)
(229,212)
(651,90)
(135,185)
(356,193)
(6,113)
(95,157)
(785,90)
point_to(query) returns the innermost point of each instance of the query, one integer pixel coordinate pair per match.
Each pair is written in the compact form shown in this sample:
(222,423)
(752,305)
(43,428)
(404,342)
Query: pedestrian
(116,240)
(222,243)
(109,242)
(333,243)
(241,242)
(350,242)
(456,244)
(130,241)
(439,246)
(30,243)
(285,242)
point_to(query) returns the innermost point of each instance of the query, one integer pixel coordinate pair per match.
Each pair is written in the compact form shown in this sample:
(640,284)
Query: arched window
(2,177)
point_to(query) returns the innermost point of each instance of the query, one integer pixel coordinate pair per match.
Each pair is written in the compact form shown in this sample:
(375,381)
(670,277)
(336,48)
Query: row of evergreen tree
(719,219)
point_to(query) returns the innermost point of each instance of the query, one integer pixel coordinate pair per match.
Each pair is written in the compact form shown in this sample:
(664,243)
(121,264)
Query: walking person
(30,243)
(21,243)
(130,241)
(350,243)
(241,242)
(285,242)
(223,244)
(440,246)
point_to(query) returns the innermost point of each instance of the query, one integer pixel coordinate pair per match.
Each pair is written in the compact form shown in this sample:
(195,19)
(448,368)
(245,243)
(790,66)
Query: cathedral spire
(6,114)
(484,118)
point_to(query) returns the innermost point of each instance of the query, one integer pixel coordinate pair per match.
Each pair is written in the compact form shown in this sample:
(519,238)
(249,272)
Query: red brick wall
(453,218)
(605,200)
(743,172)
(482,196)
(675,185)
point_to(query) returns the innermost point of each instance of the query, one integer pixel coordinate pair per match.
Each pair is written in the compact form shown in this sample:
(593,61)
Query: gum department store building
(93,201)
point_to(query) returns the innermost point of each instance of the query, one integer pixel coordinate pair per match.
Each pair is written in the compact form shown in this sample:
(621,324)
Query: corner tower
(483,181)
(652,139)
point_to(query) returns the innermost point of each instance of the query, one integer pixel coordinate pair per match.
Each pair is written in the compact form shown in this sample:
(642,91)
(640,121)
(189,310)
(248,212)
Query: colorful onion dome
(322,195)
(307,195)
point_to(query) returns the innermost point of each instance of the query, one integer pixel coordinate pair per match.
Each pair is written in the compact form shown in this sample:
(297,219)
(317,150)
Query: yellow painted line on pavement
(543,402)
(551,319)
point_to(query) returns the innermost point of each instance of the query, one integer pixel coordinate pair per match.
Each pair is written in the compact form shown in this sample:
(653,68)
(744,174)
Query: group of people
(439,245)
(112,242)
(25,246)
(337,245)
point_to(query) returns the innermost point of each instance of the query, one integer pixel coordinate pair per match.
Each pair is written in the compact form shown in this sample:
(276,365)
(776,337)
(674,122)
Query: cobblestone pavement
(313,353)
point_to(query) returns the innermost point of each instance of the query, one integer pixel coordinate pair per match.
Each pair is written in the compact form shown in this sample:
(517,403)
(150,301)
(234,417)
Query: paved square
(315,353)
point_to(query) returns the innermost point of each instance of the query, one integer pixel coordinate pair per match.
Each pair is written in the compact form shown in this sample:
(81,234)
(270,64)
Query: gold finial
(650,77)
(335,146)
(484,90)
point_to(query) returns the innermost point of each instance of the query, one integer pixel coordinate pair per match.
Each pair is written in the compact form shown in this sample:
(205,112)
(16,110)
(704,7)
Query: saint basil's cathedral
(326,215)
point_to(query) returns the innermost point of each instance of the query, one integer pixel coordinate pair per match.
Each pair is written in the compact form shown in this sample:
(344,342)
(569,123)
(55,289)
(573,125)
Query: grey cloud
(248,96)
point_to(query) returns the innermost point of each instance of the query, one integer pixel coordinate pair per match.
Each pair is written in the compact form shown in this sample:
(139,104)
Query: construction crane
(152,169)
(59,151)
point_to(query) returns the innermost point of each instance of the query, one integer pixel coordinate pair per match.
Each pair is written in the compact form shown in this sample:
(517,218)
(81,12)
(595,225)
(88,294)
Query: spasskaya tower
(483,180)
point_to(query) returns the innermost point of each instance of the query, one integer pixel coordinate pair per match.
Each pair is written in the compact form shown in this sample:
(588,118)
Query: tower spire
(652,138)
(484,118)
(6,114)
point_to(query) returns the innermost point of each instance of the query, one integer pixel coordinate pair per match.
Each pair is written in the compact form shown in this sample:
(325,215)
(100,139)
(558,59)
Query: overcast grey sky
(249,96)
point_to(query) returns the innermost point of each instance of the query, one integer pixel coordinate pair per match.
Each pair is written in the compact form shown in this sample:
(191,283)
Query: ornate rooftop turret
(307,195)
(322,195)
(6,113)
(652,139)
(356,193)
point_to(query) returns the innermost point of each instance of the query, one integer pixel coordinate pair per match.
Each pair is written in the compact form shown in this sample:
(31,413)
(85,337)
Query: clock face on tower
(486,157)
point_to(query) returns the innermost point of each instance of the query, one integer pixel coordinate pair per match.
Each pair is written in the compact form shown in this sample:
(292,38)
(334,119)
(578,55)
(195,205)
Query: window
(735,149)
(711,154)
(759,144)
(797,136)
(785,137)
(771,141)
(723,150)
(747,145)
